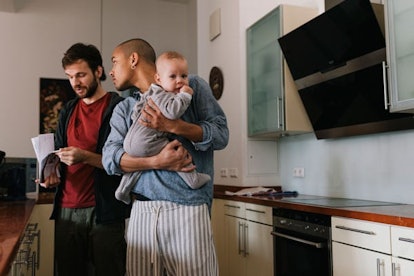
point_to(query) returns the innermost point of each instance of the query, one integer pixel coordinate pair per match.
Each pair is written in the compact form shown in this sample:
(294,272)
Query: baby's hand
(186,89)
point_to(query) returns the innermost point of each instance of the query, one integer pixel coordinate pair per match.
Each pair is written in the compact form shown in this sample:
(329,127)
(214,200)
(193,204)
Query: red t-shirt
(83,132)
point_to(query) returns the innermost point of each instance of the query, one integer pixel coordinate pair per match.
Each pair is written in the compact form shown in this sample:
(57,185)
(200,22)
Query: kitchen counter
(383,212)
(14,216)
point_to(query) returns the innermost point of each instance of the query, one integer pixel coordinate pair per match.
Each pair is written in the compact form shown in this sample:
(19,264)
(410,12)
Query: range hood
(337,61)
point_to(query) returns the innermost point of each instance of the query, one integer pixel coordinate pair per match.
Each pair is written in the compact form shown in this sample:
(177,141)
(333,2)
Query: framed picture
(54,93)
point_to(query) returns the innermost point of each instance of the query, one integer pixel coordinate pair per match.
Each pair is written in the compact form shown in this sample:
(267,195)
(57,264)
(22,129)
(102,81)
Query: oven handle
(315,244)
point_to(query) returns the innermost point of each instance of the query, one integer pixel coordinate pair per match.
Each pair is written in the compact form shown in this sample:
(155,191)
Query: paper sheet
(252,191)
(44,147)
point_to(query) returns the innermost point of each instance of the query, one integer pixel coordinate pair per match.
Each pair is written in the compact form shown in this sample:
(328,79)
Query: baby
(172,95)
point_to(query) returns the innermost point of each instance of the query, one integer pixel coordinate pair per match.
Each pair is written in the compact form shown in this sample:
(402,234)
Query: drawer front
(259,213)
(234,208)
(402,241)
(370,235)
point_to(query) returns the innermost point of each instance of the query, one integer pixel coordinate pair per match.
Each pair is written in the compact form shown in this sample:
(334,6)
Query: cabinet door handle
(38,249)
(355,230)
(379,264)
(394,268)
(33,263)
(384,81)
(232,206)
(255,211)
(240,238)
(406,240)
(314,244)
(280,112)
(246,239)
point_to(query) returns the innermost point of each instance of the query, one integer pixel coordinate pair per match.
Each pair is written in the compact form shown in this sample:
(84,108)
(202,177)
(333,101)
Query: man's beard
(91,90)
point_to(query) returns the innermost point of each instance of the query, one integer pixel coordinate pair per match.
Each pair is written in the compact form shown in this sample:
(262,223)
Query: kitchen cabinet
(26,261)
(368,248)
(217,225)
(351,260)
(402,244)
(36,252)
(249,244)
(360,248)
(400,54)
(274,105)
(402,267)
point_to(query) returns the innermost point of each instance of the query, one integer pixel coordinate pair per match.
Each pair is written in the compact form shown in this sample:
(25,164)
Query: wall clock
(216,82)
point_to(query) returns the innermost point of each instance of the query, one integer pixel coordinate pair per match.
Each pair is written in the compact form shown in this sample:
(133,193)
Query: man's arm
(205,124)
(153,118)
(116,161)
(173,157)
(71,156)
(74,155)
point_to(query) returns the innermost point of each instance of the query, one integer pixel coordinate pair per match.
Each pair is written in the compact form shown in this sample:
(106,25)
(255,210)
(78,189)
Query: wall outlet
(234,172)
(299,172)
(224,172)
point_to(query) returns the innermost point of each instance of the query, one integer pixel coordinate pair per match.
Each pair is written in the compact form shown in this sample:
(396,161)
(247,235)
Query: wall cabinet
(400,54)
(274,105)
(244,243)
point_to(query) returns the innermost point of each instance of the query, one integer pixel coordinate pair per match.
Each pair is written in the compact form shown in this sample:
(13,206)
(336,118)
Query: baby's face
(172,74)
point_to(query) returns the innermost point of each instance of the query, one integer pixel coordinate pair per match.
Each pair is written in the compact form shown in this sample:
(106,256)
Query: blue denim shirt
(167,185)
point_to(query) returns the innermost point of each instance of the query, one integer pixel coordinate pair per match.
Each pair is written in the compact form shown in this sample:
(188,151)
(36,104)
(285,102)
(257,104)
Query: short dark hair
(141,47)
(88,53)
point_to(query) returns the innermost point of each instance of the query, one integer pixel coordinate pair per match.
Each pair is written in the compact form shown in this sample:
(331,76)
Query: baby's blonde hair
(170,55)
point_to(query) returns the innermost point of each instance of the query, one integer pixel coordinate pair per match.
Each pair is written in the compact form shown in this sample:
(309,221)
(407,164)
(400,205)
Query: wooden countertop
(399,214)
(14,216)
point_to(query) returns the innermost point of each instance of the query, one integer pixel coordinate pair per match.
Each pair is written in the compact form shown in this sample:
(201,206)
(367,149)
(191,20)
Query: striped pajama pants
(166,238)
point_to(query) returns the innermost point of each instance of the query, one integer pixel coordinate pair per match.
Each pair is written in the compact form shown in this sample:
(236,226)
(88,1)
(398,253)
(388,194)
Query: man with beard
(89,221)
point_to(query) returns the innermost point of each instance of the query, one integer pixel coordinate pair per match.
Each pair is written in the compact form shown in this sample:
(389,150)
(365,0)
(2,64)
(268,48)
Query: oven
(302,243)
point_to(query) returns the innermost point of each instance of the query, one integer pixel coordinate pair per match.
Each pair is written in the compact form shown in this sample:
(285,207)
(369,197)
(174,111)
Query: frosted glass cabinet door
(400,41)
(264,76)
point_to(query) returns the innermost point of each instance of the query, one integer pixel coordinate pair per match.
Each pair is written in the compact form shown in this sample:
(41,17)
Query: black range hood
(337,61)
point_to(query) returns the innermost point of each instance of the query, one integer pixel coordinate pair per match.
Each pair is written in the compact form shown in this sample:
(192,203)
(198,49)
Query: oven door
(298,254)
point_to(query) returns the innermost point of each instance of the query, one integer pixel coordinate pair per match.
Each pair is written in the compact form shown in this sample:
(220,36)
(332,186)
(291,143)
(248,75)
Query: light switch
(215,28)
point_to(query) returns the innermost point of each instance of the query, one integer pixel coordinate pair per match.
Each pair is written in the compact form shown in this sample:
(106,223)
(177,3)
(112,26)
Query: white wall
(376,167)
(256,161)
(33,40)
(35,36)
(165,24)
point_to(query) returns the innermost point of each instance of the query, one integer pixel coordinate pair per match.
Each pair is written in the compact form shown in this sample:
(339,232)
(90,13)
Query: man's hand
(152,117)
(71,155)
(74,155)
(50,182)
(174,157)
